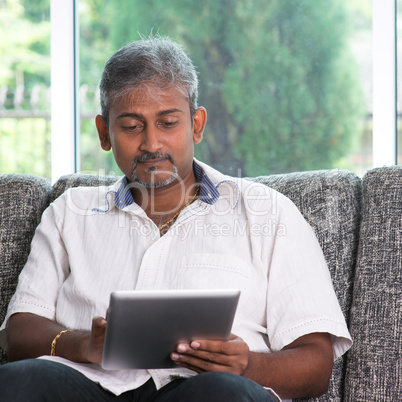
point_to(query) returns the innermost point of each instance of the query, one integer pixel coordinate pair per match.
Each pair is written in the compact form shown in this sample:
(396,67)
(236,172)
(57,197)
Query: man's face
(152,136)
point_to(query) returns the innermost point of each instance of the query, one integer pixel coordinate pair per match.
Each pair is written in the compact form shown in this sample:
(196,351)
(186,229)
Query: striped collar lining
(209,193)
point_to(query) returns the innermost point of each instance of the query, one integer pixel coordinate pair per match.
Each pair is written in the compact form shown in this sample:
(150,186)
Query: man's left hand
(209,355)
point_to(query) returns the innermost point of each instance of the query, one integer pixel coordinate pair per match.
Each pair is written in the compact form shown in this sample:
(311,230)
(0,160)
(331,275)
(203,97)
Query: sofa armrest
(374,364)
(23,198)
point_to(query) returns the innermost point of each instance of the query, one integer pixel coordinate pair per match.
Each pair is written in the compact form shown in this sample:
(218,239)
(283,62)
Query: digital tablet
(144,327)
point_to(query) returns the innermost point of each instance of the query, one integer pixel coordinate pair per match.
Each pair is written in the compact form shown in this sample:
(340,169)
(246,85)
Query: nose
(150,140)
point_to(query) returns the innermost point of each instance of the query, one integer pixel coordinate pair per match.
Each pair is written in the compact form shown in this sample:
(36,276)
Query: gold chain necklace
(177,213)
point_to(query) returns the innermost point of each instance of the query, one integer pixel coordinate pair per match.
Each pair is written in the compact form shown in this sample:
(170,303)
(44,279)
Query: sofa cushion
(23,198)
(330,200)
(374,364)
(78,180)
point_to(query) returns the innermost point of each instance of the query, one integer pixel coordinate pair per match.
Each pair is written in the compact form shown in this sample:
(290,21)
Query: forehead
(148,100)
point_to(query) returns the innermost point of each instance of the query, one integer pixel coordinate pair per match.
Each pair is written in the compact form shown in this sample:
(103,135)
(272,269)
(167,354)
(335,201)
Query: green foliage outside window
(277,78)
(24,87)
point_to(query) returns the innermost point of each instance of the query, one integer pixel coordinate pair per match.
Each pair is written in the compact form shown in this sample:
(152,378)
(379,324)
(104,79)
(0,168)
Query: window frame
(384,83)
(64,62)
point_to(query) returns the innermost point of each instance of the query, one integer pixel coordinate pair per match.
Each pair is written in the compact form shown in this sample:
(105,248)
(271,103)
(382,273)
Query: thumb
(98,326)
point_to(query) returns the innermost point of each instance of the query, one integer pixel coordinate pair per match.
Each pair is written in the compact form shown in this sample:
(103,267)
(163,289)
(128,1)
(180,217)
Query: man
(170,223)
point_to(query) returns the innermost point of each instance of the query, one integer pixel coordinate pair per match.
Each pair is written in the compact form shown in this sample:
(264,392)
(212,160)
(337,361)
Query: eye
(133,128)
(169,123)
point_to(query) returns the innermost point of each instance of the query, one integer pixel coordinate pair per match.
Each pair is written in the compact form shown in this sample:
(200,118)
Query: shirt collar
(209,193)
(123,197)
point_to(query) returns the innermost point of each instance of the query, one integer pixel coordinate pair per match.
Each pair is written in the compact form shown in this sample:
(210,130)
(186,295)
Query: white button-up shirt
(238,234)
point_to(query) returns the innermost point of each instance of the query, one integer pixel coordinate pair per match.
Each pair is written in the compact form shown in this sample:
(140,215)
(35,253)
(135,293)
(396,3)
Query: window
(24,87)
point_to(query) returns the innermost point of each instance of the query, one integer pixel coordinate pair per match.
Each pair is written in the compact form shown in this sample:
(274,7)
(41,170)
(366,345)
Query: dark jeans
(42,380)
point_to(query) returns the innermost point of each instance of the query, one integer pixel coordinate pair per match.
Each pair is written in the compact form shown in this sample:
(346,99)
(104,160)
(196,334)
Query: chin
(156,182)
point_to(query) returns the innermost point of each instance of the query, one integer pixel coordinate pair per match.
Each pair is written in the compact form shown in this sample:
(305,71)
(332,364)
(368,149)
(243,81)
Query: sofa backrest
(330,200)
(374,364)
(23,198)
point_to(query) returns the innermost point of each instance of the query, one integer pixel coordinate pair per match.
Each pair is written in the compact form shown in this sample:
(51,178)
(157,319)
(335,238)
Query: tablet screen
(144,327)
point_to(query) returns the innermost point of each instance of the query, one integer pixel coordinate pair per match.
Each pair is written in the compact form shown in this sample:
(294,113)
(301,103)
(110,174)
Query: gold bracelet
(53,347)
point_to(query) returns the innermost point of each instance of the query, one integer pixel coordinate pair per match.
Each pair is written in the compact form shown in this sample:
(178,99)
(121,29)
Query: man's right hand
(31,336)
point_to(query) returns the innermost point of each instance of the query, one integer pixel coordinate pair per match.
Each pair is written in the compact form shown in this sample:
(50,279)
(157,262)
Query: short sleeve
(301,298)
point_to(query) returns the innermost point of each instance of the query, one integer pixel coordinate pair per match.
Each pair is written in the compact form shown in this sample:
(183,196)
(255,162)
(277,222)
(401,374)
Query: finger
(197,364)
(99,322)
(236,346)
(204,345)
(210,357)
(98,326)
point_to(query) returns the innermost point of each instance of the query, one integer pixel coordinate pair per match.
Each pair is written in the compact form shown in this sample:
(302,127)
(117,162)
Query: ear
(199,121)
(103,132)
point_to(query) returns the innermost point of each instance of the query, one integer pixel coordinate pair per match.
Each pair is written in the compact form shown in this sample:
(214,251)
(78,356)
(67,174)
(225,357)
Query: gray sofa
(358,223)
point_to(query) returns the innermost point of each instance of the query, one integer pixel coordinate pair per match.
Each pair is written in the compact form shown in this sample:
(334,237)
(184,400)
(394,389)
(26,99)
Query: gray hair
(158,61)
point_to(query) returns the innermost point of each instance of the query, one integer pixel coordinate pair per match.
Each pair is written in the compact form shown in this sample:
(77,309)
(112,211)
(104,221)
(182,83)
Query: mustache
(151,155)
